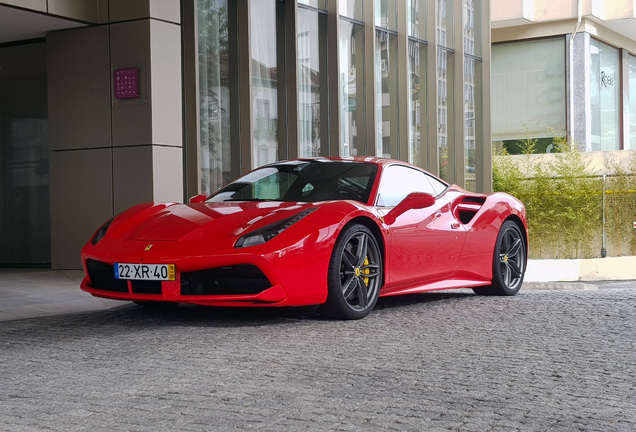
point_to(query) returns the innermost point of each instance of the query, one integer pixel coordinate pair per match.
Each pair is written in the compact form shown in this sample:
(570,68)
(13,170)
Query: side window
(438,186)
(399,181)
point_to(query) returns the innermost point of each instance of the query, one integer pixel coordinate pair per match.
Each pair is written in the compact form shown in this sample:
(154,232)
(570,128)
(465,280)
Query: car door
(424,245)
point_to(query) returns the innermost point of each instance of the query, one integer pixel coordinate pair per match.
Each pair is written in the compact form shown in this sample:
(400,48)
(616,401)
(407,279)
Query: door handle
(455,225)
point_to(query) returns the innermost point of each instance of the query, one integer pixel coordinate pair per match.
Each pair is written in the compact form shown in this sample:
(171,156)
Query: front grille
(102,277)
(230,280)
(146,287)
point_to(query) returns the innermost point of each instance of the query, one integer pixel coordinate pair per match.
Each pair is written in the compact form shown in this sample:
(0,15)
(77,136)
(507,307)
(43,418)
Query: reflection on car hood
(171,222)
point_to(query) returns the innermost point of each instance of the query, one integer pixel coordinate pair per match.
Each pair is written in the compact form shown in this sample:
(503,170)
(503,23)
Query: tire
(509,262)
(355,275)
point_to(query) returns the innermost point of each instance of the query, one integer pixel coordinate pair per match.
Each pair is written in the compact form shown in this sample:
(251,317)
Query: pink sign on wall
(126,83)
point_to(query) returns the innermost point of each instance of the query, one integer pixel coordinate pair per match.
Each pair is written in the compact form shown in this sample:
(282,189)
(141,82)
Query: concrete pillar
(579,95)
(147,131)
(78,76)
(109,153)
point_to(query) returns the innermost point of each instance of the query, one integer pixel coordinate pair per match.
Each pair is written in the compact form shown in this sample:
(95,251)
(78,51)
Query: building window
(264,81)
(386,94)
(632,102)
(417,95)
(472,27)
(352,9)
(386,14)
(386,75)
(534,72)
(417,19)
(317,4)
(352,100)
(445,88)
(215,95)
(417,103)
(458,136)
(605,86)
(472,90)
(472,119)
(444,23)
(445,118)
(312,82)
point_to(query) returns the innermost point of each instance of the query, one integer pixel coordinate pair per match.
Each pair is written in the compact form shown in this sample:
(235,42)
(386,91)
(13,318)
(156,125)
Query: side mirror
(198,199)
(413,201)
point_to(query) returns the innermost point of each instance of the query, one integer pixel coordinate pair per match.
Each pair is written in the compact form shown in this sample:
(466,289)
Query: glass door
(24,157)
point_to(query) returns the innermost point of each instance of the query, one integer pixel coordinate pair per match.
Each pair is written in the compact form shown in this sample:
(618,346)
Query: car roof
(369,159)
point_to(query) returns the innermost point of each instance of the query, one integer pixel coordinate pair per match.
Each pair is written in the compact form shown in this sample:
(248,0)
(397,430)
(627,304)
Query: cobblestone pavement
(450,361)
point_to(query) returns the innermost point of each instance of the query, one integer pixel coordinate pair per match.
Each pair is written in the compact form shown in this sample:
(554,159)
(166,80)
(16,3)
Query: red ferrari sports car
(333,232)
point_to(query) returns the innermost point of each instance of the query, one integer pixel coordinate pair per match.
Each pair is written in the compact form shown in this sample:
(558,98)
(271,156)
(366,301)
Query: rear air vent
(467,207)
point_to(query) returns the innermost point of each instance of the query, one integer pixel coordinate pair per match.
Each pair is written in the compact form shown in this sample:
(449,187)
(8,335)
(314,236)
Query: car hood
(171,222)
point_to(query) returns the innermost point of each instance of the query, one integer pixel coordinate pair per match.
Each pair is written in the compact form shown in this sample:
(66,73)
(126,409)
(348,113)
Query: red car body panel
(447,245)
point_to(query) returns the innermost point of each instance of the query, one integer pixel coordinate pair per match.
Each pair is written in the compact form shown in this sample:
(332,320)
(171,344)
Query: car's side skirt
(435,286)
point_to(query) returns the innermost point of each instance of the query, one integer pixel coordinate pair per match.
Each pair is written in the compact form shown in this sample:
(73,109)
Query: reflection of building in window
(443,62)
(386,93)
(605,96)
(442,20)
(352,112)
(265,96)
(264,81)
(311,69)
(471,65)
(215,95)
(416,96)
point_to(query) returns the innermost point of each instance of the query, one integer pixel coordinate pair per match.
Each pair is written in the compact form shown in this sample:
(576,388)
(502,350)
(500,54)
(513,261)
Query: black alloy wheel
(509,262)
(355,274)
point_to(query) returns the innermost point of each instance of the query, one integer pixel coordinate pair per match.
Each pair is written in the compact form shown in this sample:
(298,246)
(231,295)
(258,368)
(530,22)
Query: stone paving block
(539,361)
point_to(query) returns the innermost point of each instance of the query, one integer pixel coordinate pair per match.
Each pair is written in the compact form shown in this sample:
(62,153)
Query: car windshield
(303,181)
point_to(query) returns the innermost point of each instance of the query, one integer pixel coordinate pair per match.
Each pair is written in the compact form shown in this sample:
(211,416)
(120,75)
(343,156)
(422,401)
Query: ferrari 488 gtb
(333,232)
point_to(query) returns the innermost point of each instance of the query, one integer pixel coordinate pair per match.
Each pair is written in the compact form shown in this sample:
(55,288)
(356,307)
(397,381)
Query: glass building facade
(306,78)
(222,87)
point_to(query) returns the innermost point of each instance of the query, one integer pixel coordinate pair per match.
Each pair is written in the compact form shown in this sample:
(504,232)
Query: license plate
(145,271)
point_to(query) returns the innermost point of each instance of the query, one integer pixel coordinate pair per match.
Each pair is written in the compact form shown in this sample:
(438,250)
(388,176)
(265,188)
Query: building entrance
(24,157)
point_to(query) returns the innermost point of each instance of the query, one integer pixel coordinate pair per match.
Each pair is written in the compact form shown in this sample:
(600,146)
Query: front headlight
(268,232)
(101,232)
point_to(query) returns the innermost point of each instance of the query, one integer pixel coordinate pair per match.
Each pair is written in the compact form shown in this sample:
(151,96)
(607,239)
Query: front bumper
(242,284)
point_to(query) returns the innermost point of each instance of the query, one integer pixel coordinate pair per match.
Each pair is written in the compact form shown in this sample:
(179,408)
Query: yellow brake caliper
(366,271)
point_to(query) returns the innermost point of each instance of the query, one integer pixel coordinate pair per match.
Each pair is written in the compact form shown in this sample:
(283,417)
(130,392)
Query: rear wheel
(355,274)
(509,262)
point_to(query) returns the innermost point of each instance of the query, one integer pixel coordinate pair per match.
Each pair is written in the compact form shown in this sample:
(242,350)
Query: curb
(581,270)
(558,286)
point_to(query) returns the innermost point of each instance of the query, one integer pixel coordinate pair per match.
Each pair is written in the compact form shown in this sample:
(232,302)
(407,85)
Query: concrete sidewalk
(28,293)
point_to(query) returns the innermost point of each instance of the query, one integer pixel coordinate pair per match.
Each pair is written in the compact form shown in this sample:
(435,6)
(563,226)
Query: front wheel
(509,262)
(355,275)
